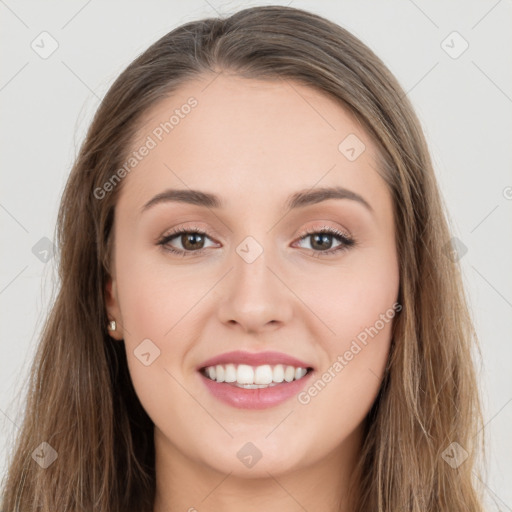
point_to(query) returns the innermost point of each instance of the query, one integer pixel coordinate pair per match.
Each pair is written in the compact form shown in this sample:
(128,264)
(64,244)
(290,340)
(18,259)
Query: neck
(189,485)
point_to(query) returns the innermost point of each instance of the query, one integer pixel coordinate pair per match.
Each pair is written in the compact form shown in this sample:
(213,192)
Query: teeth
(263,374)
(230,373)
(219,373)
(278,373)
(244,375)
(299,373)
(289,373)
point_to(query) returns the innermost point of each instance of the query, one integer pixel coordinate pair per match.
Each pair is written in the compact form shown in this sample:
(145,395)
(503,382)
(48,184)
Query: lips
(250,380)
(255,359)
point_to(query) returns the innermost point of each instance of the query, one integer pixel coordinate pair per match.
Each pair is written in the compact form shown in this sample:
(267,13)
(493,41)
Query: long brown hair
(81,400)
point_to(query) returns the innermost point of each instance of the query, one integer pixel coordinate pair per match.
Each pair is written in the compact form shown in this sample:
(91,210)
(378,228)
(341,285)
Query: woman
(314,352)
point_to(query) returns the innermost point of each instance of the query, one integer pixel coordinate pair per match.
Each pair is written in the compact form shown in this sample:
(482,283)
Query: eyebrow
(297,200)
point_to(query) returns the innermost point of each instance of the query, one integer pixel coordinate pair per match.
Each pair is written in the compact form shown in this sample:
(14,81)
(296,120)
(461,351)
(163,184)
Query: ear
(113,311)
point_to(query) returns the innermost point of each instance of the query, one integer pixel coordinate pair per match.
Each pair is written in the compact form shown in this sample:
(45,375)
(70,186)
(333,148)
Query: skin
(253,143)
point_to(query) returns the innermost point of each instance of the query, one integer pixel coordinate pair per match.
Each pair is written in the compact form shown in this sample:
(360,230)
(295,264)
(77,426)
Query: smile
(253,377)
(250,387)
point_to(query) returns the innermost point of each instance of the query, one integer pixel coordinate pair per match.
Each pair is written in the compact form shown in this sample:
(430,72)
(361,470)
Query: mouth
(254,380)
(254,377)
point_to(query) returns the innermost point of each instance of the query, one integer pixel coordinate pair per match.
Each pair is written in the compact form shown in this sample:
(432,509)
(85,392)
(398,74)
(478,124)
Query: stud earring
(112,325)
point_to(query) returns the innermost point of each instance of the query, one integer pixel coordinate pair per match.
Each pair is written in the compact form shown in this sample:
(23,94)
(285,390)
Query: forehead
(232,135)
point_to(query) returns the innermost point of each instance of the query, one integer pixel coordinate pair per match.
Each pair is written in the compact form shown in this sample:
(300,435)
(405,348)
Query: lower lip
(259,398)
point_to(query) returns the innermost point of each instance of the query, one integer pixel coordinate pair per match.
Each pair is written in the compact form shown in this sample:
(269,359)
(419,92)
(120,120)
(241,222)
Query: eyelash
(346,244)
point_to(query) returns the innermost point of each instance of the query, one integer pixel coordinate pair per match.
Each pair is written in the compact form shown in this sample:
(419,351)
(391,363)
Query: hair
(81,400)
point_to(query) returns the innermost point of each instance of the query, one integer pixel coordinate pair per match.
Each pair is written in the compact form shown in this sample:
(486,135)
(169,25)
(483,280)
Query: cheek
(352,297)
(158,310)
(360,307)
(347,385)
(156,299)
(358,303)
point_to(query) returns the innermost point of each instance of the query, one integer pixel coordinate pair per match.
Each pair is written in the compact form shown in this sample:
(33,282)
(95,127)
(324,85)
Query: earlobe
(113,313)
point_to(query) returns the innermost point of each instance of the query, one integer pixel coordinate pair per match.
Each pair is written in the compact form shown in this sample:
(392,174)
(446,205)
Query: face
(276,268)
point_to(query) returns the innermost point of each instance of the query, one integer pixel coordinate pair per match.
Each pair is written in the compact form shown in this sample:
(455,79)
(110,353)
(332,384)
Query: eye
(192,241)
(321,240)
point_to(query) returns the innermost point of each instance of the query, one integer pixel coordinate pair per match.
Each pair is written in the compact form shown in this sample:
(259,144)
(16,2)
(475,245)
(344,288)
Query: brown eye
(191,241)
(321,241)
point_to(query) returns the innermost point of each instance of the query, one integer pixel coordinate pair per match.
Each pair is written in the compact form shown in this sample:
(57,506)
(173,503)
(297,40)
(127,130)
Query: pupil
(190,239)
(324,239)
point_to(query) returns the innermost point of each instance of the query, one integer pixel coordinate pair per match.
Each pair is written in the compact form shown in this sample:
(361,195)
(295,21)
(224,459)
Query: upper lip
(254,359)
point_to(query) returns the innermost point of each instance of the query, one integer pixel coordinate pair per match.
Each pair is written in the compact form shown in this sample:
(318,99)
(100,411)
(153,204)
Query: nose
(254,297)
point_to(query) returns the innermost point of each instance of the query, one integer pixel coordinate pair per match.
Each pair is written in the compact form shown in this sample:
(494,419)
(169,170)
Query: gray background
(463,101)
